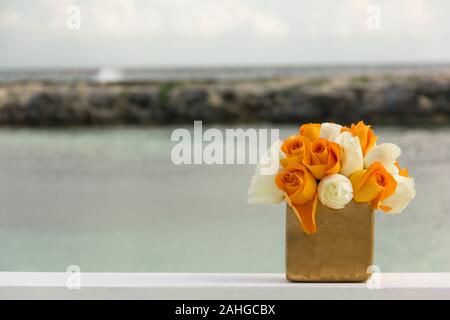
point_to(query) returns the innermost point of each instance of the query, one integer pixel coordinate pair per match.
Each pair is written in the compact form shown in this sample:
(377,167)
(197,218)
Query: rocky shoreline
(380,99)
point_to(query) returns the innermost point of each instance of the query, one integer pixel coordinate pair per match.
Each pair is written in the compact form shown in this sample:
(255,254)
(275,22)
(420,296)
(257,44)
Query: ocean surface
(114,74)
(111,200)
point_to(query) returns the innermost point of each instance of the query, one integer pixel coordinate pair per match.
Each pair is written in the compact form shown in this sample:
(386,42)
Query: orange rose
(323,158)
(373,184)
(366,135)
(311,131)
(402,171)
(295,148)
(299,187)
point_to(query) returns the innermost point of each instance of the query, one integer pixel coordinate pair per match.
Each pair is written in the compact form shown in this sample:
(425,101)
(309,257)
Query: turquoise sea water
(111,200)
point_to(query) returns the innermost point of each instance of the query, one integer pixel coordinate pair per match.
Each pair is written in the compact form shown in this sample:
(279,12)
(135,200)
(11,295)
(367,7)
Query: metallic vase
(340,251)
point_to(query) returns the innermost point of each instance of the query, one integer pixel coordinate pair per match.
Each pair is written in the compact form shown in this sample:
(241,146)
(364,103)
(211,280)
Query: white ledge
(35,285)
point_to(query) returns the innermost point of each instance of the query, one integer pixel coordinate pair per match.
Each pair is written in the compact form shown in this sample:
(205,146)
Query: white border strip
(35,285)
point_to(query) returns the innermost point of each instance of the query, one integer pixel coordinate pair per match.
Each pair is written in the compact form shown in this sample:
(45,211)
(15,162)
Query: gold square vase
(340,251)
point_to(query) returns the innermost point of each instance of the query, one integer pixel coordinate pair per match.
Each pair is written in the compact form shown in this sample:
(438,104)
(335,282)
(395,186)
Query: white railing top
(36,285)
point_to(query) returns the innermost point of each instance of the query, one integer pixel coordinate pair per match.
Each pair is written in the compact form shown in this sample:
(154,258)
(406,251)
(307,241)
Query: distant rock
(391,99)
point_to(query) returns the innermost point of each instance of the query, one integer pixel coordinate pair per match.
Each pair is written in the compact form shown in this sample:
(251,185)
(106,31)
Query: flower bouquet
(332,178)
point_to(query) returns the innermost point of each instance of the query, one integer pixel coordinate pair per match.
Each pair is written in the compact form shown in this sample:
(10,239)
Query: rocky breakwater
(381,99)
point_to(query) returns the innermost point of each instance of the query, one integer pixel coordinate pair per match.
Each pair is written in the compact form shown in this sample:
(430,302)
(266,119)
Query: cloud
(194,18)
(212,18)
(9,17)
(194,32)
(115,18)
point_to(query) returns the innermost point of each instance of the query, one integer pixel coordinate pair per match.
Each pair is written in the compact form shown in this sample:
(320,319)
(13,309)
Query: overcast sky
(33,33)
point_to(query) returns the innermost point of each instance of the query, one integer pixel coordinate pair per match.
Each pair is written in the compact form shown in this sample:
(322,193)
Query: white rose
(386,154)
(352,157)
(335,191)
(403,194)
(263,189)
(330,131)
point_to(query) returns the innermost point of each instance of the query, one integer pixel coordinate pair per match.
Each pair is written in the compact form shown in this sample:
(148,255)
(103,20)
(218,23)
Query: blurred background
(90,92)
